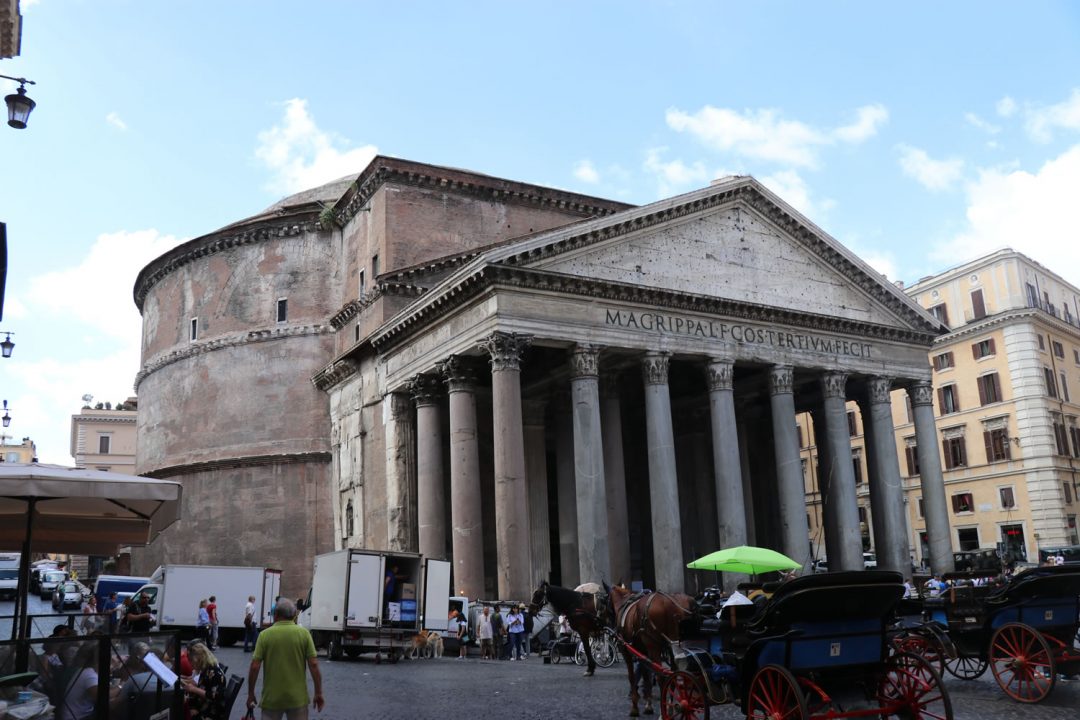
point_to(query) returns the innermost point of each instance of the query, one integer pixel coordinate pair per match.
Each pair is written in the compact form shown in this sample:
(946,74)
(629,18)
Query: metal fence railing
(97,675)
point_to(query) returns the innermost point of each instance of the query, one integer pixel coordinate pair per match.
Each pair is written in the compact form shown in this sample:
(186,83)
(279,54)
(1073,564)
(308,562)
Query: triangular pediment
(738,243)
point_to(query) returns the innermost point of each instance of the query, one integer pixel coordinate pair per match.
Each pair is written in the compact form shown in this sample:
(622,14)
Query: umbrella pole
(22,650)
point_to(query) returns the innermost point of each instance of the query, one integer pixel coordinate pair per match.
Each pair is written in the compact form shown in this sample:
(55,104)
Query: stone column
(890,521)
(663,480)
(430,498)
(795,533)
(839,491)
(511,489)
(400,473)
(536,471)
(824,467)
(935,506)
(467,536)
(615,479)
(594,558)
(567,494)
(727,465)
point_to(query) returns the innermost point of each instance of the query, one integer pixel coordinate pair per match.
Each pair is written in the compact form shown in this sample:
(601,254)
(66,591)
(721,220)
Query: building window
(1051,382)
(1076,356)
(862,514)
(969,538)
(194,329)
(962,503)
(997,445)
(1065,389)
(1042,343)
(856,465)
(943,361)
(920,508)
(350,527)
(363,284)
(1008,499)
(104,443)
(851,427)
(1060,436)
(940,312)
(374,268)
(1074,434)
(978,307)
(955,452)
(983,348)
(1067,490)
(911,454)
(282,309)
(1032,296)
(908,407)
(1059,349)
(357,332)
(948,400)
(989,388)
(798,429)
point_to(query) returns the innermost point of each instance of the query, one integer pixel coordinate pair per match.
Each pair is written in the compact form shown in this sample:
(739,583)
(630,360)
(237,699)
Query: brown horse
(649,623)
(586,619)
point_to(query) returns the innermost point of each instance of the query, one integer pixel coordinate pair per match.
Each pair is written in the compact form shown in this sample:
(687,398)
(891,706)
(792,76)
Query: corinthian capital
(921,392)
(834,385)
(879,389)
(585,361)
(425,389)
(719,374)
(780,379)
(459,374)
(654,367)
(505,349)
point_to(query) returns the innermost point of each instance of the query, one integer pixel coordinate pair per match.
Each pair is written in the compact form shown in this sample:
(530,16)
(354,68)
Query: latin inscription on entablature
(739,333)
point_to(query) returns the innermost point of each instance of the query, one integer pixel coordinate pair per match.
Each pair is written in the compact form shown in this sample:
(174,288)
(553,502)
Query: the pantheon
(530,382)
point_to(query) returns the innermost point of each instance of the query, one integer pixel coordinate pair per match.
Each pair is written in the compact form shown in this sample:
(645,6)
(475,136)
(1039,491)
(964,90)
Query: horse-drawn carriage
(819,649)
(1023,631)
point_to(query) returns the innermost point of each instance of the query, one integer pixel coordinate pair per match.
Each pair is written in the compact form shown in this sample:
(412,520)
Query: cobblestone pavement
(451,689)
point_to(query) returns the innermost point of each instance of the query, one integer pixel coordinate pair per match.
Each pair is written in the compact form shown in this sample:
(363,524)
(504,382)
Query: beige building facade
(104,438)
(24,452)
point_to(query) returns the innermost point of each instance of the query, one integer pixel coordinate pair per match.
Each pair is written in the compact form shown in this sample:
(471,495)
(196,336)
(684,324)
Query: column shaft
(467,532)
(594,558)
(615,479)
(938,534)
(567,497)
(400,473)
(840,478)
(892,538)
(823,468)
(430,497)
(536,469)
(663,481)
(795,532)
(727,465)
(511,490)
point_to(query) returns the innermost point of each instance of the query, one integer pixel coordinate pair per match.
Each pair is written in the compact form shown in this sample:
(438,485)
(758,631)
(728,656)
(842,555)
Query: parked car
(9,583)
(981,560)
(67,594)
(49,580)
(36,571)
(868,558)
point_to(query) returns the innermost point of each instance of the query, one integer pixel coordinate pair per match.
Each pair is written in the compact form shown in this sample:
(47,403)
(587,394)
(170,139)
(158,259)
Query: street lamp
(7,417)
(19,104)
(7,346)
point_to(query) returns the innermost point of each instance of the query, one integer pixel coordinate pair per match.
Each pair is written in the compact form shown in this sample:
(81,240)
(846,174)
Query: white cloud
(116,121)
(674,175)
(931,174)
(764,135)
(793,190)
(1042,121)
(1006,107)
(586,172)
(1029,212)
(976,121)
(301,156)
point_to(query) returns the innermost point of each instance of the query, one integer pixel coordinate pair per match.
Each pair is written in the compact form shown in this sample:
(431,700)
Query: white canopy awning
(83,511)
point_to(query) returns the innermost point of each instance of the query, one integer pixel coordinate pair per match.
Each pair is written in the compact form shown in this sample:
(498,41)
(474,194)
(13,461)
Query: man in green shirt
(285,647)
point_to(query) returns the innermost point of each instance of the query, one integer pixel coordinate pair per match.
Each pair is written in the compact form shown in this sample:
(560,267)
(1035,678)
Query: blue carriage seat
(832,620)
(1046,598)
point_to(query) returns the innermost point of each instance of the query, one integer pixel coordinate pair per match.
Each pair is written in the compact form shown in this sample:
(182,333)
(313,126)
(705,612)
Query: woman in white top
(80,685)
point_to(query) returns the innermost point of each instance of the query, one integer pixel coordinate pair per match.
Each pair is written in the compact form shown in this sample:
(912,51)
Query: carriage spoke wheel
(966,667)
(682,697)
(912,689)
(1022,662)
(603,651)
(775,695)
(927,647)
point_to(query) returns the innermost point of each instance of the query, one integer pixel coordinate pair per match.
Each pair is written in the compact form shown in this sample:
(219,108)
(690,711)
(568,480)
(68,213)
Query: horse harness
(645,623)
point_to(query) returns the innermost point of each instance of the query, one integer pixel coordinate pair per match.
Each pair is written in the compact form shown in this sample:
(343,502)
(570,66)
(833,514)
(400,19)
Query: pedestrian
(109,608)
(483,631)
(249,624)
(202,622)
(462,637)
(1059,559)
(497,633)
(138,617)
(211,610)
(89,615)
(285,648)
(515,626)
(527,640)
(206,695)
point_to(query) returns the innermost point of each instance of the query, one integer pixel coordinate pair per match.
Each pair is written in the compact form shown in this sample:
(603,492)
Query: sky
(918,134)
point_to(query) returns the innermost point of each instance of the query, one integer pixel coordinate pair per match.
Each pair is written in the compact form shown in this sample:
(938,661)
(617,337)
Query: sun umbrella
(744,559)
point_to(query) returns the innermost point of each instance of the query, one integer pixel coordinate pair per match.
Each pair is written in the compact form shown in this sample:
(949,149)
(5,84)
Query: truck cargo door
(271,590)
(436,595)
(365,591)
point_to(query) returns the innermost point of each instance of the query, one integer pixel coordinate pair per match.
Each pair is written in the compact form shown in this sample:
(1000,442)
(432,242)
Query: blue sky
(918,134)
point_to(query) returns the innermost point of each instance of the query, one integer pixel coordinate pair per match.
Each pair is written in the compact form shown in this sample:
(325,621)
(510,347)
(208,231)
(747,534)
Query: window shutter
(977,305)
(975,351)
(963,451)
(990,343)
(981,382)
(948,455)
(941,401)
(988,440)
(997,387)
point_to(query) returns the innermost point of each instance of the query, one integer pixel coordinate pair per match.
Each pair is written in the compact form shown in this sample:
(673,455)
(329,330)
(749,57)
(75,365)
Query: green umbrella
(745,559)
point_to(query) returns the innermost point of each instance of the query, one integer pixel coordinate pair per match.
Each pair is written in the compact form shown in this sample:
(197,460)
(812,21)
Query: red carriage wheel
(1022,662)
(927,647)
(681,696)
(775,695)
(966,667)
(912,689)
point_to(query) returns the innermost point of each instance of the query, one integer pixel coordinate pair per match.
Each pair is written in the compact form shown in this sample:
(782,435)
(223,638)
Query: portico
(609,400)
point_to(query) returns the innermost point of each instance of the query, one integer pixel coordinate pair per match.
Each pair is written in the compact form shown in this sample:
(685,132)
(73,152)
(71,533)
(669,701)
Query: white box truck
(175,592)
(349,611)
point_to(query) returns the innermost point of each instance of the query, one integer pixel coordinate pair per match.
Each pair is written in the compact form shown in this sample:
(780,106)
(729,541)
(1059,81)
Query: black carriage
(1022,630)
(820,648)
